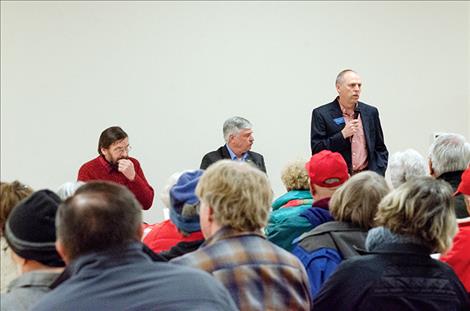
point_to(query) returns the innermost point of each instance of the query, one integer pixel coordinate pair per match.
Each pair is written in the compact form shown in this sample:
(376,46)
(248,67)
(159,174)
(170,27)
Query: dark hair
(109,136)
(99,216)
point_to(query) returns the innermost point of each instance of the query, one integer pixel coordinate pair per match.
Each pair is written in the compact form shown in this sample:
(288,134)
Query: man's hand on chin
(126,167)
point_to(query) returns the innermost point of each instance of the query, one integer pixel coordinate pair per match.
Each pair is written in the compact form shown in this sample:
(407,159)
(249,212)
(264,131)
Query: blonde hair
(10,195)
(239,194)
(294,176)
(356,201)
(422,207)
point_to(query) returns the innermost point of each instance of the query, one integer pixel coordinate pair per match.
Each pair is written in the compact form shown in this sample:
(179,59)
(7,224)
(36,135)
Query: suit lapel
(335,113)
(365,124)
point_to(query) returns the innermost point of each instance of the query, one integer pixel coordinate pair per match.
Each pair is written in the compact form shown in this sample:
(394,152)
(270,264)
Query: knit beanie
(183,202)
(30,228)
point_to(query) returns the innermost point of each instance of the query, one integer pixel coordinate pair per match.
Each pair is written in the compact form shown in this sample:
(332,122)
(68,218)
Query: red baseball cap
(327,169)
(464,186)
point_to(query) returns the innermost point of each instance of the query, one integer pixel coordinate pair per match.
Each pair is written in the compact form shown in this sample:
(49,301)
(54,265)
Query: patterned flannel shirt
(258,274)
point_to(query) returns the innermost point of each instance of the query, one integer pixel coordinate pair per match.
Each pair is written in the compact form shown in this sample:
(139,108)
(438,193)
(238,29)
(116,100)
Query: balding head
(99,216)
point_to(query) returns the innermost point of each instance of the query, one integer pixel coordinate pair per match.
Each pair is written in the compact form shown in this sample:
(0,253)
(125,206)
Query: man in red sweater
(114,164)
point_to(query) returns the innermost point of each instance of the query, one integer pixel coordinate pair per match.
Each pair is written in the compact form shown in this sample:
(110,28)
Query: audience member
(235,199)
(414,220)
(350,127)
(238,135)
(449,156)
(458,257)
(183,225)
(297,199)
(404,165)
(114,164)
(68,189)
(353,206)
(99,230)
(30,233)
(10,195)
(327,171)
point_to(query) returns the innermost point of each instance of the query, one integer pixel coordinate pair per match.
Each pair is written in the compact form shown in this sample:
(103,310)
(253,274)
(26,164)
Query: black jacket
(453,178)
(222,153)
(327,123)
(393,277)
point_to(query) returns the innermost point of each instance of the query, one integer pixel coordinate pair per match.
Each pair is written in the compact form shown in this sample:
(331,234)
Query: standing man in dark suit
(238,135)
(350,127)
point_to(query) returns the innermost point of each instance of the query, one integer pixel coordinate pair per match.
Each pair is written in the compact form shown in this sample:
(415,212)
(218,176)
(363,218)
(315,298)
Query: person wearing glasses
(114,164)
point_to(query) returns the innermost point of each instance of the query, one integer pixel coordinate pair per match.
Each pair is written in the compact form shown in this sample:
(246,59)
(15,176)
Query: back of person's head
(170,182)
(404,165)
(233,125)
(449,153)
(422,208)
(99,216)
(356,201)
(68,189)
(109,136)
(239,194)
(294,176)
(10,195)
(327,169)
(184,204)
(30,228)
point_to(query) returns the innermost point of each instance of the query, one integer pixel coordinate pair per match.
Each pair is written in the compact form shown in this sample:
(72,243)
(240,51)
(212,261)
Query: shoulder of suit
(217,152)
(256,154)
(366,106)
(327,106)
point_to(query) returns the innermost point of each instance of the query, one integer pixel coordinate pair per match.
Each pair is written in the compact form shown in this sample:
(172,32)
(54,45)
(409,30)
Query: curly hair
(423,208)
(239,194)
(294,176)
(10,195)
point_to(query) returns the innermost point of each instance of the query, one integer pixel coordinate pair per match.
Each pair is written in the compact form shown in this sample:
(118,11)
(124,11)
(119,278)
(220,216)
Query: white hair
(170,182)
(404,165)
(449,153)
(68,189)
(234,125)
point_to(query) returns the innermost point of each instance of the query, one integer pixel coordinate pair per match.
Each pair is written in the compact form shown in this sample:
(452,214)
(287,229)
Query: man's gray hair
(339,77)
(449,153)
(404,165)
(234,125)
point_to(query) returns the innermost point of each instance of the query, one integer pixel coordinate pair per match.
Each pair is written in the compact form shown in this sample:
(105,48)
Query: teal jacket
(285,223)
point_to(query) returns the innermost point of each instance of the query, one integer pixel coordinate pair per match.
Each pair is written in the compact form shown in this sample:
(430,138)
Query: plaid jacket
(258,274)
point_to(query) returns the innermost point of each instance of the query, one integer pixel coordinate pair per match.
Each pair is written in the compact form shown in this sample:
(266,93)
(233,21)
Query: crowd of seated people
(332,241)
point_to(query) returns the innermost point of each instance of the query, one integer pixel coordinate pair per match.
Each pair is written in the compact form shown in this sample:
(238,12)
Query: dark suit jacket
(222,153)
(326,134)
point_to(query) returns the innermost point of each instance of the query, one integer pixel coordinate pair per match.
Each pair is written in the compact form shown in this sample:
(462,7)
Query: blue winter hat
(184,202)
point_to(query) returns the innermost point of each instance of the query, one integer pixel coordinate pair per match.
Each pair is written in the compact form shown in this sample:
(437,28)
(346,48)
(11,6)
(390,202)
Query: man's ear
(61,250)
(140,232)
(312,189)
(431,170)
(211,214)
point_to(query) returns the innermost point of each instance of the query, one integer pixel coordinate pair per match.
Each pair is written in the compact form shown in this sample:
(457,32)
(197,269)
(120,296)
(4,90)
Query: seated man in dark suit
(238,135)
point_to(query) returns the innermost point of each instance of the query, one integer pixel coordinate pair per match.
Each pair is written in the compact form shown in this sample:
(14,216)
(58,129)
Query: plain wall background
(170,73)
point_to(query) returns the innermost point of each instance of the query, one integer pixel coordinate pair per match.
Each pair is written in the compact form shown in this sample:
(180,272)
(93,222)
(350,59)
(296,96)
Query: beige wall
(170,73)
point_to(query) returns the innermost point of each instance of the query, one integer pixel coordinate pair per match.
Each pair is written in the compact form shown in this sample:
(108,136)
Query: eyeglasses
(122,149)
